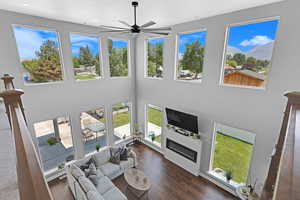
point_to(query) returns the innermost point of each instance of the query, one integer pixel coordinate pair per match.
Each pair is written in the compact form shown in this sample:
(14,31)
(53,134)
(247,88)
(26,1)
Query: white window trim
(147,105)
(210,169)
(258,20)
(130,122)
(128,58)
(146,58)
(100,51)
(54,170)
(45,28)
(106,129)
(177,55)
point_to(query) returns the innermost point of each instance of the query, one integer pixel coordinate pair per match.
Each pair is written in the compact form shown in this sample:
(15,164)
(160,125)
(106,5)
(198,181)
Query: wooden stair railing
(32,184)
(283,180)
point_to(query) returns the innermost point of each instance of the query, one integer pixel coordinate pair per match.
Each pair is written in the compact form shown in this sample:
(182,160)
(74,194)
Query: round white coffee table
(137,182)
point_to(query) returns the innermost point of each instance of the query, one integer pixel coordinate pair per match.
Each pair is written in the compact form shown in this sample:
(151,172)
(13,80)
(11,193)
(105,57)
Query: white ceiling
(108,12)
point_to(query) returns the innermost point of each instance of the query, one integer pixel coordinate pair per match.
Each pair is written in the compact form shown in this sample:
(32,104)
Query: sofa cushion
(114,194)
(109,169)
(86,184)
(94,195)
(101,157)
(76,172)
(104,184)
(127,164)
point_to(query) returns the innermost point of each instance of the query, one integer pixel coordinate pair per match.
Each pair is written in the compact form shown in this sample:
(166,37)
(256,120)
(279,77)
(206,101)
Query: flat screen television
(182,120)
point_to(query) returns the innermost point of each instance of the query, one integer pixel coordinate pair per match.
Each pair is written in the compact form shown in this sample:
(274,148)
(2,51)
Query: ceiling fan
(136,29)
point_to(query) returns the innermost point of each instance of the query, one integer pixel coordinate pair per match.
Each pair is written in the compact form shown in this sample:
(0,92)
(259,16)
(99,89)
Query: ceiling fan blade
(158,29)
(125,23)
(115,31)
(157,33)
(112,27)
(148,24)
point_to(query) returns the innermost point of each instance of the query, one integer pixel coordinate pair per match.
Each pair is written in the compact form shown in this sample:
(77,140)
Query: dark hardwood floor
(169,182)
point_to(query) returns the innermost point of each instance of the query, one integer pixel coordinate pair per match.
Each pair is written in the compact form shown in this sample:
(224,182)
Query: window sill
(197,81)
(154,142)
(222,179)
(242,86)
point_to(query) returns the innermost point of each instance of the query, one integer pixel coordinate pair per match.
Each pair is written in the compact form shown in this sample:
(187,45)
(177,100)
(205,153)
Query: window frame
(227,33)
(146,124)
(61,56)
(54,170)
(128,58)
(212,151)
(100,50)
(130,122)
(177,41)
(146,58)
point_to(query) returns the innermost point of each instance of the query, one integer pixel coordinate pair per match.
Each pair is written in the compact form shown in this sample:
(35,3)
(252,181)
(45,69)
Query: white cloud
(257,40)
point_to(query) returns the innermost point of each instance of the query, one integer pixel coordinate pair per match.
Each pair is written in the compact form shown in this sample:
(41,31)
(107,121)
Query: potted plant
(98,146)
(228,175)
(52,141)
(61,166)
(152,136)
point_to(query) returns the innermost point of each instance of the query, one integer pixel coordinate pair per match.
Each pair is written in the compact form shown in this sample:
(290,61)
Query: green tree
(193,58)
(76,61)
(155,59)
(86,56)
(231,63)
(117,60)
(46,67)
(239,58)
(97,64)
(250,63)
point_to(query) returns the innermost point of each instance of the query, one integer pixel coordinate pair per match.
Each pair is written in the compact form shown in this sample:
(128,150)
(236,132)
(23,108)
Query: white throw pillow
(76,171)
(86,184)
(93,195)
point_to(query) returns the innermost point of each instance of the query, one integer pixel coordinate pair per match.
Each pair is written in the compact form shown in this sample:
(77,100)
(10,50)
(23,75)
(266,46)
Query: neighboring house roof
(250,73)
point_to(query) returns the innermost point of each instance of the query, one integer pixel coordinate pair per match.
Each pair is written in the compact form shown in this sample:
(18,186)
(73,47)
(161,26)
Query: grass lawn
(155,116)
(85,76)
(121,119)
(233,154)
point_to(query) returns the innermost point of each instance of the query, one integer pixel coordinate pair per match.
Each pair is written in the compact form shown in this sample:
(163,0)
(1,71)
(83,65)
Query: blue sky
(190,38)
(119,43)
(246,37)
(29,40)
(156,40)
(78,41)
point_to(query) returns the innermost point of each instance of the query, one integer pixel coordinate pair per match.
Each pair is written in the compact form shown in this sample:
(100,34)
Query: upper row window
(248,53)
(190,55)
(40,55)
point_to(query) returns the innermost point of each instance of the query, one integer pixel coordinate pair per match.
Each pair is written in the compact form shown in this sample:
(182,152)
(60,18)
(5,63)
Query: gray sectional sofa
(84,189)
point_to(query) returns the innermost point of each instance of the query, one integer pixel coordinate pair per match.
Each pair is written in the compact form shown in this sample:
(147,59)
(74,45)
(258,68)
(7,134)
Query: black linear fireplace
(182,150)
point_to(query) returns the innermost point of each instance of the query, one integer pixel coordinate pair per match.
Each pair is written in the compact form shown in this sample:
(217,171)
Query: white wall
(257,111)
(70,97)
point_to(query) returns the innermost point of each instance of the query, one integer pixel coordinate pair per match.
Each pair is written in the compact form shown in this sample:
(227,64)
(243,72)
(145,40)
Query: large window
(190,55)
(248,53)
(85,57)
(121,121)
(55,142)
(118,57)
(155,58)
(154,124)
(39,53)
(93,129)
(231,154)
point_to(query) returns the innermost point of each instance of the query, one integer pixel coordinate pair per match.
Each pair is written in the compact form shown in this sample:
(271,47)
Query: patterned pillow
(87,164)
(76,172)
(124,154)
(115,156)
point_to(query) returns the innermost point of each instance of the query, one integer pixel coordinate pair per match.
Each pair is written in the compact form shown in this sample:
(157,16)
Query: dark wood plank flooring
(169,182)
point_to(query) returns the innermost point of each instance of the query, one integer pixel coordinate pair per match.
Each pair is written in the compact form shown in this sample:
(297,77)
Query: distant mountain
(232,50)
(263,52)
